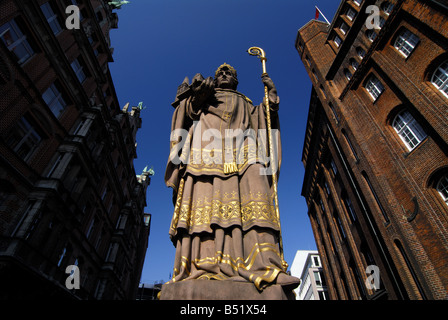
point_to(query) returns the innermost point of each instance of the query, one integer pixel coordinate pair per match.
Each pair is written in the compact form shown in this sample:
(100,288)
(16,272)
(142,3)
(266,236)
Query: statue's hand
(203,89)
(267,81)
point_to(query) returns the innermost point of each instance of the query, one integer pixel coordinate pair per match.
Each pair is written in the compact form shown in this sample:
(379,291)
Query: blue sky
(159,42)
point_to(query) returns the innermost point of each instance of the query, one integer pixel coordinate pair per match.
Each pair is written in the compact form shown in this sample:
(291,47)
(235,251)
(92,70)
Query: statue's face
(225,79)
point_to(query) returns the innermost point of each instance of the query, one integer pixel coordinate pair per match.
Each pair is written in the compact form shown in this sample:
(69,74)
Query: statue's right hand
(203,88)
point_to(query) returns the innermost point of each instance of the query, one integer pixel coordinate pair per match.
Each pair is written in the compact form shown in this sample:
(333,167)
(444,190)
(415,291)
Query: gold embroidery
(269,275)
(230,168)
(178,204)
(205,212)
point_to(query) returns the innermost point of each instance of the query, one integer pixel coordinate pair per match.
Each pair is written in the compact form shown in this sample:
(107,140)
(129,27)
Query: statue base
(222,290)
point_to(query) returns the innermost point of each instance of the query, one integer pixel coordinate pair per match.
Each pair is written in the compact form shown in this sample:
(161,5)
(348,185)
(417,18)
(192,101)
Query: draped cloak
(224,224)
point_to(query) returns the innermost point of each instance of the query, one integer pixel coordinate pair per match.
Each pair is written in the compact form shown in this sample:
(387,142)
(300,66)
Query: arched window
(354,64)
(442,188)
(360,52)
(406,42)
(347,74)
(387,7)
(440,78)
(371,34)
(408,129)
(374,86)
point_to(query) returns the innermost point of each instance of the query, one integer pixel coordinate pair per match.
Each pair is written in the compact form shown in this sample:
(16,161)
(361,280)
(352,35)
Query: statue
(117,3)
(224,225)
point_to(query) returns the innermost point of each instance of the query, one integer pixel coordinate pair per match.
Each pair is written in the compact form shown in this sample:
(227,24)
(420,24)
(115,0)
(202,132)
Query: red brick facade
(69,194)
(376,148)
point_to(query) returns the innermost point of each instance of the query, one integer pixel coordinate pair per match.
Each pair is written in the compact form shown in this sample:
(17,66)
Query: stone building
(375,150)
(71,204)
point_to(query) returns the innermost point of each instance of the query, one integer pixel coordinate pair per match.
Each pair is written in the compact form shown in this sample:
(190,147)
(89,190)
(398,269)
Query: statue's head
(226,77)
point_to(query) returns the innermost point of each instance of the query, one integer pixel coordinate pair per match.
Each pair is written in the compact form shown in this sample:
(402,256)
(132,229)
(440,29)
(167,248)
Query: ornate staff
(257,51)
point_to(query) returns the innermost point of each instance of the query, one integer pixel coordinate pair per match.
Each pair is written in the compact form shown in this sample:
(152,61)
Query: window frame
(57,100)
(403,43)
(29,135)
(352,15)
(443,69)
(444,179)
(51,17)
(78,68)
(344,28)
(408,129)
(21,41)
(339,42)
(348,75)
(361,52)
(371,35)
(387,7)
(371,83)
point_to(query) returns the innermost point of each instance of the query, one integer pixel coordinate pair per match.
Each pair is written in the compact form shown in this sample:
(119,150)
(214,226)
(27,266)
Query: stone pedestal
(222,290)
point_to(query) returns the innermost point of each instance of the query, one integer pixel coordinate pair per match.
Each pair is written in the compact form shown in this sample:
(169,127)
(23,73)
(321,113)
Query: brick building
(375,149)
(69,194)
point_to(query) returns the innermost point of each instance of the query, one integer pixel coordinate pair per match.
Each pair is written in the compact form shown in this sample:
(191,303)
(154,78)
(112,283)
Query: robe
(224,225)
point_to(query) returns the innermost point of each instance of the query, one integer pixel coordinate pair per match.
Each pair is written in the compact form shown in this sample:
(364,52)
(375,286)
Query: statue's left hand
(267,81)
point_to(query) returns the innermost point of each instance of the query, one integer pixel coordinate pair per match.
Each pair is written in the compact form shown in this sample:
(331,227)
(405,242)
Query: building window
(440,78)
(343,27)
(90,228)
(316,262)
(360,52)
(62,256)
(408,129)
(350,144)
(387,7)
(322,206)
(333,167)
(24,138)
(317,279)
(347,74)
(374,87)
(78,68)
(406,42)
(327,188)
(351,209)
(341,227)
(378,202)
(16,41)
(371,35)
(335,114)
(51,17)
(54,100)
(354,64)
(337,41)
(442,188)
(323,91)
(350,14)
(358,2)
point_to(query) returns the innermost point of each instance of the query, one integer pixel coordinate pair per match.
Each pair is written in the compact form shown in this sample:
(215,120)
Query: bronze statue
(225,226)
